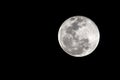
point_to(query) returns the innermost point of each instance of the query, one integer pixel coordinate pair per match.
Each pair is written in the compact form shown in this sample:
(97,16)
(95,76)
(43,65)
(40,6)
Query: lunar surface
(78,36)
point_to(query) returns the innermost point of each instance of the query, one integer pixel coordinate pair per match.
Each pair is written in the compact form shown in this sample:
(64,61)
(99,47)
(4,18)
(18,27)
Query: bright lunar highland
(78,36)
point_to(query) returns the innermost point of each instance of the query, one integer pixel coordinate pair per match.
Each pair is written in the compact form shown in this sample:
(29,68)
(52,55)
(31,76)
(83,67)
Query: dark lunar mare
(67,42)
(81,47)
(75,25)
(71,30)
(72,18)
(79,19)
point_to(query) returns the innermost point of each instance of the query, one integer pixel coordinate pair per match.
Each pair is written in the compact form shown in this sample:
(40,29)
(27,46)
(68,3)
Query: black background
(52,55)
(32,37)
(105,17)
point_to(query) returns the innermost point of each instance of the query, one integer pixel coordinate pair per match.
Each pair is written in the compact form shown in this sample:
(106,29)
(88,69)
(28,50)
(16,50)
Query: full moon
(78,36)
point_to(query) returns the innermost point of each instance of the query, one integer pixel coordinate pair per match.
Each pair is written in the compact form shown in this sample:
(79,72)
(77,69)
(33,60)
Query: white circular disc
(87,29)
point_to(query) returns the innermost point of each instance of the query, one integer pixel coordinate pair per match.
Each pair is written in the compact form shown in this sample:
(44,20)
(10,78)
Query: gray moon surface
(78,36)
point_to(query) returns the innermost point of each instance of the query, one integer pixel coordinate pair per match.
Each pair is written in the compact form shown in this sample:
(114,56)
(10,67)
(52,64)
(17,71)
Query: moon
(78,36)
